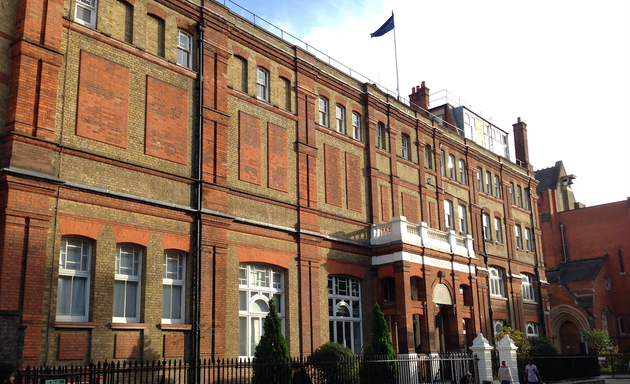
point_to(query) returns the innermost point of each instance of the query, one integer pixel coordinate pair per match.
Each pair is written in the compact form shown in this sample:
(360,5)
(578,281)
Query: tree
(271,359)
(598,341)
(541,347)
(517,337)
(335,364)
(506,322)
(380,348)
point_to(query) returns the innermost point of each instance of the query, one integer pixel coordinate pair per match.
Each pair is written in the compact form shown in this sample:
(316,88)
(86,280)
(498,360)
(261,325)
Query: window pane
(356,334)
(242,336)
(177,302)
(260,306)
(78,296)
(130,305)
(166,301)
(343,311)
(64,295)
(119,299)
(242,301)
(255,333)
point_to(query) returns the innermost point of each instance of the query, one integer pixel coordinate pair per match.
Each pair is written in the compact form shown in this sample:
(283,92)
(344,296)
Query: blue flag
(388,26)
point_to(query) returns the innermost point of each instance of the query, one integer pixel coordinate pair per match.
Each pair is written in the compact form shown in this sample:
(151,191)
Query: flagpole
(396,58)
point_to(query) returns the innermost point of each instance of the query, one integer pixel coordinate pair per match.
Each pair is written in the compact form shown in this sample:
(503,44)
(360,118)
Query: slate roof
(548,177)
(578,270)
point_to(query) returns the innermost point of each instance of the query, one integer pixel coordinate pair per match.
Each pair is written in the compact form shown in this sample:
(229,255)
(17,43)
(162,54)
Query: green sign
(56,381)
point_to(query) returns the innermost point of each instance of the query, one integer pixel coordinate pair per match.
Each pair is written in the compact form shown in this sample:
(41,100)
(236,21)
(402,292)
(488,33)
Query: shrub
(271,359)
(335,363)
(517,337)
(380,348)
(542,346)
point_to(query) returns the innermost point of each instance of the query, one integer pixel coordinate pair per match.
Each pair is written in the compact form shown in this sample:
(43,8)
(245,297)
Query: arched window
(73,284)
(381,134)
(527,287)
(531,330)
(257,285)
(344,312)
(496,282)
(428,156)
(404,142)
(173,287)
(604,322)
(622,326)
(497,325)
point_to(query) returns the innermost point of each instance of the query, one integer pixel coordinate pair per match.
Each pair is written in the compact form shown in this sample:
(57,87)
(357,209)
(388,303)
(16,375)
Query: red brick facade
(117,150)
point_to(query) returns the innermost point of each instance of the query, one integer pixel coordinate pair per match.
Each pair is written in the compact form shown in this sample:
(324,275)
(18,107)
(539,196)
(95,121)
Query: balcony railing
(401,230)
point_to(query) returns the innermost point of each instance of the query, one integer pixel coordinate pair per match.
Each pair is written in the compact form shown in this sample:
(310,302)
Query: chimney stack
(520,144)
(419,97)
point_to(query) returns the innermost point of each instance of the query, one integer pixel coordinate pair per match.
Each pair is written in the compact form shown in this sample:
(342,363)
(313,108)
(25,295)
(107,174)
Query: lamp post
(612,363)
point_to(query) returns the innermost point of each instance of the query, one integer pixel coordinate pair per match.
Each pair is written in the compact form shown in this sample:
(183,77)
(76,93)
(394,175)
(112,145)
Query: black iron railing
(560,368)
(405,369)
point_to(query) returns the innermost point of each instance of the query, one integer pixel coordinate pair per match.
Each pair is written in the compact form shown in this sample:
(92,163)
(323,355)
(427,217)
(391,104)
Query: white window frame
(451,167)
(176,278)
(323,111)
(463,221)
(497,325)
(356,126)
(257,284)
(527,287)
(462,171)
(345,312)
(381,136)
(486,227)
(479,179)
(519,196)
(497,186)
(340,113)
(448,215)
(184,50)
(498,230)
(511,193)
(89,5)
(442,164)
(528,240)
(134,277)
(262,84)
(404,142)
(488,183)
(428,156)
(519,236)
(527,199)
(531,330)
(69,270)
(497,287)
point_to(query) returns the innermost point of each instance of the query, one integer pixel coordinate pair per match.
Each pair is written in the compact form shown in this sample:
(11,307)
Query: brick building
(168,167)
(584,249)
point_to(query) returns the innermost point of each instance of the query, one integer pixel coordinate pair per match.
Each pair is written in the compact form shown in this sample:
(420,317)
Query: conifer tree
(271,359)
(381,351)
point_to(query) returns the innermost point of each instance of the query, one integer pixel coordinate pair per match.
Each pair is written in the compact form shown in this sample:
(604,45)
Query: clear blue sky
(562,66)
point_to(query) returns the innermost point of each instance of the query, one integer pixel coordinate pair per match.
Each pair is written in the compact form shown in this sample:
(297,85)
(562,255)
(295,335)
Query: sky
(562,66)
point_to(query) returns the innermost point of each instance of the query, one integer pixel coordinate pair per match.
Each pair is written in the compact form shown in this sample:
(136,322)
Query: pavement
(617,379)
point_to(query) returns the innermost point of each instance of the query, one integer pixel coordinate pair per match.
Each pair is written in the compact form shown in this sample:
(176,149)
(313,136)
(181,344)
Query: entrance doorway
(569,338)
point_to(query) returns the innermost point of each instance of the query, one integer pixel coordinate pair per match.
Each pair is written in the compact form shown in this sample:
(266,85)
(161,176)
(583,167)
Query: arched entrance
(446,326)
(569,338)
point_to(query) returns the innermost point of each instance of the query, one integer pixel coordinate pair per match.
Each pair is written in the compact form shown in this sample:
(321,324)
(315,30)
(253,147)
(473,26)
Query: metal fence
(406,369)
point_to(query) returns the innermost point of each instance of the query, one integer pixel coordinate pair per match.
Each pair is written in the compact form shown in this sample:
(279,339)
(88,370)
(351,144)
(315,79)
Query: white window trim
(180,281)
(186,49)
(137,278)
(404,141)
(253,293)
(519,236)
(497,288)
(340,114)
(498,230)
(528,240)
(262,84)
(83,273)
(356,126)
(448,215)
(487,229)
(463,221)
(90,5)
(534,327)
(527,288)
(323,111)
(451,167)
(336,301)
(488,183)
(462,171)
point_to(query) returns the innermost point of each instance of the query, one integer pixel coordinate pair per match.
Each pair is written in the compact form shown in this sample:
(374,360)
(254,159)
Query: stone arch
(561,318)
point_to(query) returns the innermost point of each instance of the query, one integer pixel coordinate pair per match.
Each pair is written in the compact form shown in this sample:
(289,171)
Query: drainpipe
(541,310)
(198,187)
(564,245)
(485,258)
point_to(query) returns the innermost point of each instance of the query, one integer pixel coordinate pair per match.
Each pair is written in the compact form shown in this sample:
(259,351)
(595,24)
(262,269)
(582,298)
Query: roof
(548,177)
(578,270)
